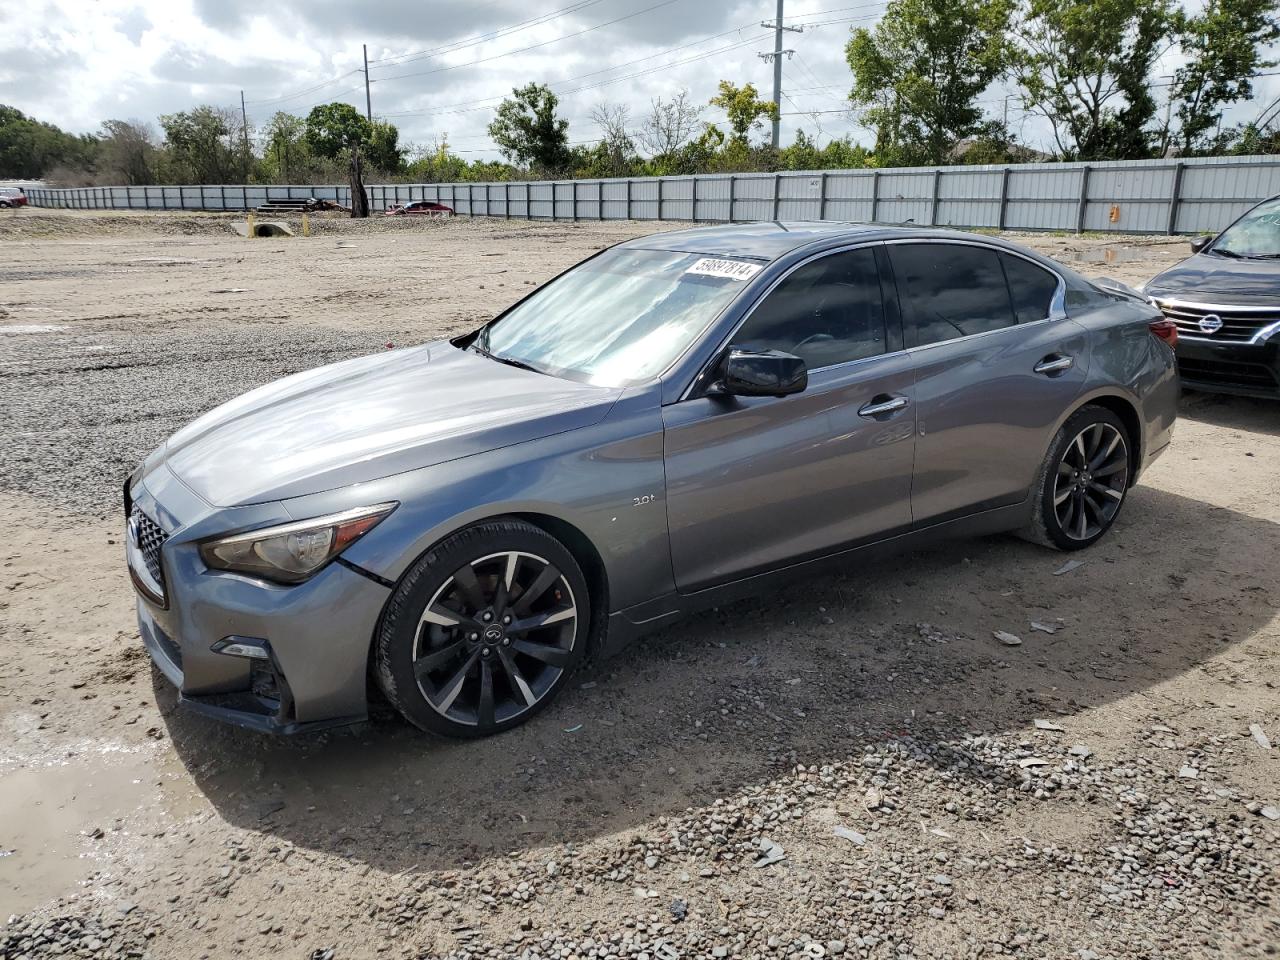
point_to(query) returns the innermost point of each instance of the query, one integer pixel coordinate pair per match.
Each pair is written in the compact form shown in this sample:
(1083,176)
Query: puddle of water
(49,814)
(1105,255)
(15,328)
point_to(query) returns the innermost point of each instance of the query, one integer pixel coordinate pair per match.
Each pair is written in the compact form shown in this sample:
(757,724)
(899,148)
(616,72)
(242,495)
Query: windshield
(620,318)
(1256,234)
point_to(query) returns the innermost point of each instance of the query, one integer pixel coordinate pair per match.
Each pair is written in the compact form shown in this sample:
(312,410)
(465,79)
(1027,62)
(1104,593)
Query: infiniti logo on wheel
(493,634)
(1210,323)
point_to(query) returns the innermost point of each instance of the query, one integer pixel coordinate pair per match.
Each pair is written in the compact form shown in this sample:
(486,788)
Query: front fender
(606,480)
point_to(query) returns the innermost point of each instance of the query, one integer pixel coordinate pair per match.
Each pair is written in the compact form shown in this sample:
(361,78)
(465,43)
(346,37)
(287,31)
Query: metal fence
(1137,196)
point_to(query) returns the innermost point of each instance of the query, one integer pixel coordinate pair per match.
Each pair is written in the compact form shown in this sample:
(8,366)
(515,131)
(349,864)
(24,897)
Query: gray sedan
(680,420)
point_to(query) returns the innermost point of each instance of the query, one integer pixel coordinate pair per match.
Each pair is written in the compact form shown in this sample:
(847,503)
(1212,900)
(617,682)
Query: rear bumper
(1242,369)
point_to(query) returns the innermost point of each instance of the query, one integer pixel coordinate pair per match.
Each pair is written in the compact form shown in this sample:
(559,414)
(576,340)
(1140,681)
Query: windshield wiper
(1224,252)
(509,361)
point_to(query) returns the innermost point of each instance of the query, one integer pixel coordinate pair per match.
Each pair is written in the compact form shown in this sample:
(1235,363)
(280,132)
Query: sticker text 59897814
(730,269)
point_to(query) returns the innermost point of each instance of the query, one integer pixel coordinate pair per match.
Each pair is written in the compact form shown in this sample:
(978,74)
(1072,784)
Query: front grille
(1239,324)
(1225,373)
(149,538)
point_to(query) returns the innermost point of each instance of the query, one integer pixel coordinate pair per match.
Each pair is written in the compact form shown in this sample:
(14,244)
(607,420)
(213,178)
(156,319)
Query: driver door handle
(1054,363)
(881,405)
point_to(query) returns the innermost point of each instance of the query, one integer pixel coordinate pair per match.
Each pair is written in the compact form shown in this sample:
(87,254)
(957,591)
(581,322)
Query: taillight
(1166,330)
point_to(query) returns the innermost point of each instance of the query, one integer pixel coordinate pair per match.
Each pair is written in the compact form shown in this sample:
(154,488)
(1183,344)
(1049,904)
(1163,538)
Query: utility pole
(776,56)
(368,100)
(244,129)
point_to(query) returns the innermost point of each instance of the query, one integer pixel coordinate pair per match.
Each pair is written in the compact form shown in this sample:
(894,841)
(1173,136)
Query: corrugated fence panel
(1145,196)
(712,198)
(753,197)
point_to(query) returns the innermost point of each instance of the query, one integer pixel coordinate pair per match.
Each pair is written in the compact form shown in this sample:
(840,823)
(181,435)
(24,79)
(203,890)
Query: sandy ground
(625,820)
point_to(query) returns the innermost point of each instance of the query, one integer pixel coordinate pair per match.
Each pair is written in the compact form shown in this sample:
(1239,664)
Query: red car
(12,197)
(419,207)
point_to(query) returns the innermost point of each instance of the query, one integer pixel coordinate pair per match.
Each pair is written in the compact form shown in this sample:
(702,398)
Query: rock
(1068,567)
(853,836)
(770,852)
(1050,628)
(1260,736)
(1008,639)
(1188,773)
(1048,725)
(1270,812)
(679,909)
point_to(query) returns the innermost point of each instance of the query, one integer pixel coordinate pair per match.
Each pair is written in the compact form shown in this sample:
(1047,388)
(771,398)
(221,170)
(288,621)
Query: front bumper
(312,639)
(1242,369)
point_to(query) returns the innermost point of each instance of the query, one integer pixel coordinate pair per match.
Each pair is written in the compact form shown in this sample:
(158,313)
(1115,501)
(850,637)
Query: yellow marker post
(306,225)
(252,230)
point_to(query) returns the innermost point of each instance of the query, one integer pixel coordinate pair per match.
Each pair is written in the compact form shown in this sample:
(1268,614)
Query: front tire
(1083,482)
(484,630)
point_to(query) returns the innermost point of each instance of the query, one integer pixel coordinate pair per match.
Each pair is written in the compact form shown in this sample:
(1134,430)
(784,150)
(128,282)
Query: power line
(466,106)
(304,92)
(477,39)
(534,46)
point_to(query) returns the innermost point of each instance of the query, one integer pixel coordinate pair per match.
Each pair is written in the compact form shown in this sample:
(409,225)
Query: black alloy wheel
(477,639)
(1083,482)
(1091,480)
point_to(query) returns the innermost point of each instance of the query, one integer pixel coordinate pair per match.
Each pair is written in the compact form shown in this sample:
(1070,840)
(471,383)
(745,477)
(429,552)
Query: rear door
(756,482)
(997,365)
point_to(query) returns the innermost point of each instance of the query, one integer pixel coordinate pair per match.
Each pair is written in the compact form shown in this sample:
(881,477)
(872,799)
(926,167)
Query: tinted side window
(826,312)
(1031,287)
(949,291)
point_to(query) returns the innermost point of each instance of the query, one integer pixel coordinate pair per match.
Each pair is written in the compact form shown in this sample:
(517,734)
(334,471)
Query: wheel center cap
(494,633)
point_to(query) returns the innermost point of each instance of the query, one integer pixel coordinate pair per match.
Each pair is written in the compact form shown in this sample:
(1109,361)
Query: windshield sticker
(729,269)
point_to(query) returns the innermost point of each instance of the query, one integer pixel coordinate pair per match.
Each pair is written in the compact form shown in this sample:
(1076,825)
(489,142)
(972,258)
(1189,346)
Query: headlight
(292,552)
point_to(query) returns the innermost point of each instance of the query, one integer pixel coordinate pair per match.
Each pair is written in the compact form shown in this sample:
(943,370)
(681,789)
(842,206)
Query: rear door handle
(1054,364)
(881,405)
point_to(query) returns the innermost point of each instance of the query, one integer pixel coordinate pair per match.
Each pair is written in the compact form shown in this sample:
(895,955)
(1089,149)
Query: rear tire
(1083,482)
(484,630)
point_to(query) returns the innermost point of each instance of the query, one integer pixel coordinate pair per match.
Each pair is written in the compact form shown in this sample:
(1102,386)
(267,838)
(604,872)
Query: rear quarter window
(1031,288)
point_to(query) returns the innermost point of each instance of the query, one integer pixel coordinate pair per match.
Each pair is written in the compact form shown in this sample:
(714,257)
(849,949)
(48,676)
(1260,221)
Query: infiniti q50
(679,420)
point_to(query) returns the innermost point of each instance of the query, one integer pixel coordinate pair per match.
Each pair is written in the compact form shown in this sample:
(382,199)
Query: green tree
(30,148)
(1085,66)
(286,152)
(334,128)
(805,154)
(127,152)
(528,131)
(383,148)
(204,145)
(1225,46)
(918,73)
(746,111)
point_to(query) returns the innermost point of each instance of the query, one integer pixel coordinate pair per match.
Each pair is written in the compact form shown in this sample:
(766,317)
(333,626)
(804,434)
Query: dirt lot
(626,820)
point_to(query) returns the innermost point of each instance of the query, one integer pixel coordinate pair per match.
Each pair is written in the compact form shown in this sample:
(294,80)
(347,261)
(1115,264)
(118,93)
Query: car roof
(771,240)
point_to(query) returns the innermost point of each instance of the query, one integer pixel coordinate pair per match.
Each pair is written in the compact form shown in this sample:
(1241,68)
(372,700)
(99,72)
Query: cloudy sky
(439,67)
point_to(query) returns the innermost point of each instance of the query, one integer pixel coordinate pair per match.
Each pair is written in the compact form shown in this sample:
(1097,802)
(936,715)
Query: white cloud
(78,62)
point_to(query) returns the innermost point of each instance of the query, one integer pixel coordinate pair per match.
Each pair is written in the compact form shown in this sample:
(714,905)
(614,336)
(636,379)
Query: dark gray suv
(677,421)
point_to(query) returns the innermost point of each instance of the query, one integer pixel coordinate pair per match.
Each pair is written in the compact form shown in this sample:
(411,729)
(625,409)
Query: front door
(995,372)
(756,482)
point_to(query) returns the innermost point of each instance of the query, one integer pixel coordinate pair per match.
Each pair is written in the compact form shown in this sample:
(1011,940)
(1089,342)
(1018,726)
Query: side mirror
(764,373)
(1199,243)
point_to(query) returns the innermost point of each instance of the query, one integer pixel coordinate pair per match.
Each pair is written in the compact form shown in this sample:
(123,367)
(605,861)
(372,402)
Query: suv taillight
(1166,330)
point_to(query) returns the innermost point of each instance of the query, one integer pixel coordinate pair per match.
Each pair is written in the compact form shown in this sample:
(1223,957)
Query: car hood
(1220,281)
(368,418)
